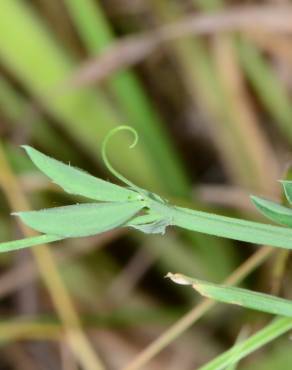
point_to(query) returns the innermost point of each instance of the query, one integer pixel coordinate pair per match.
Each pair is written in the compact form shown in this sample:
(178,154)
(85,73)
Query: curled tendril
(105,157)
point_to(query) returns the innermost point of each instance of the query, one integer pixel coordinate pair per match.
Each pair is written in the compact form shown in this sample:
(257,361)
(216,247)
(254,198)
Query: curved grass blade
(28,242)
(273,211)
(238,296)
(287,185)
(81,219)
(78,182)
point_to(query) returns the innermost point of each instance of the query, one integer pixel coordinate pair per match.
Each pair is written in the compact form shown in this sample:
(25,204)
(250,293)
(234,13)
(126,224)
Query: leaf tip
(15,213)
(178,278)
(26,147)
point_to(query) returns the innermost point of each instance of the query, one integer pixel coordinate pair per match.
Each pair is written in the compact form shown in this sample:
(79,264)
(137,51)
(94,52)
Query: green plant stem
(232,228)
(28,242)
(212,224)
(78,342)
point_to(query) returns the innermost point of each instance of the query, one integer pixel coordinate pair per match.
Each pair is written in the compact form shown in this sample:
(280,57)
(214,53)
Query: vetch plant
(112,206)
(115,206)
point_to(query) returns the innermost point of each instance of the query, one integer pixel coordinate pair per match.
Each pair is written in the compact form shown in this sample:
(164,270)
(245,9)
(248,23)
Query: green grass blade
(28,242)
(75,181)
(256,341)
(273,211)
(81,219)
(238,296)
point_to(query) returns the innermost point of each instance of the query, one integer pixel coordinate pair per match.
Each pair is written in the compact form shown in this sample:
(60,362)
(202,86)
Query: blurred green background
(214,117)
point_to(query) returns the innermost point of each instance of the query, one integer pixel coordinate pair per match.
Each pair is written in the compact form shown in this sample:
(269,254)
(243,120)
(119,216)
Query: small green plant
(132,206)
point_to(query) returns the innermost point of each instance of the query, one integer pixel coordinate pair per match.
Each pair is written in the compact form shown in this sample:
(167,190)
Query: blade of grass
(272,331)
(277,356)
(196,313)
(238,296)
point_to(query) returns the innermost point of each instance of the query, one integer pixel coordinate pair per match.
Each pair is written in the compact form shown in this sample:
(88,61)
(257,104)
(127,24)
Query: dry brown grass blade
(133,49)
(79,344)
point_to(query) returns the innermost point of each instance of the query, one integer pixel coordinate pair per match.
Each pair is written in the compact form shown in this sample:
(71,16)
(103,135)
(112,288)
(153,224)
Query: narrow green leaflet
(78,182)
(273,211)
(28,242)
(238,296)
(81,219)
(287,185)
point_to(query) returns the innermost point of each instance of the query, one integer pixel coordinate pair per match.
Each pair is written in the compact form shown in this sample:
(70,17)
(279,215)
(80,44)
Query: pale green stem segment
(28,242)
